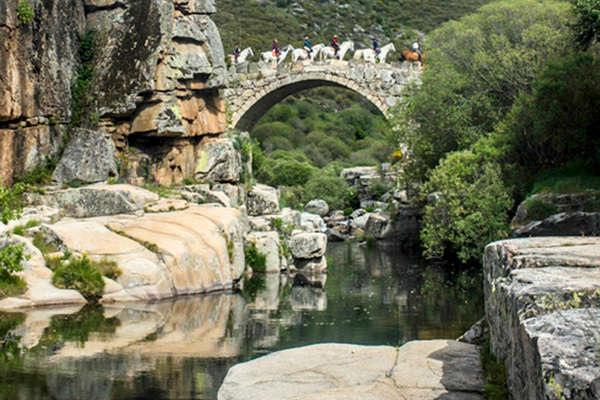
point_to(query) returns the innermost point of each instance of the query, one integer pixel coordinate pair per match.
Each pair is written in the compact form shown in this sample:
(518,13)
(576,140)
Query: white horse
(369,54)
(268,56)
(303,54)
(384,52)
(244,54)
(329,52)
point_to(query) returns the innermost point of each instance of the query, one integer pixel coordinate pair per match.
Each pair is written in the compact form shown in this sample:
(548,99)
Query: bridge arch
(251,94)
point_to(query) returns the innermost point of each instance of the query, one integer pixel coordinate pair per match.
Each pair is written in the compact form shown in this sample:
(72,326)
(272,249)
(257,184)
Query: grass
(42,245)
(20,229)
(79,274)
(255,259)
(571,178)
(148,245)
(12,286)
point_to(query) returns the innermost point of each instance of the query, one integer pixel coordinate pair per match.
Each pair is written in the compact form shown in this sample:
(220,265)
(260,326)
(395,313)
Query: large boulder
(267,243)
(318,207)
(218,161)
(420,370)
(89,157)
(312,222)
(377,226)
(542,305)
(308,245)
(96,200)
(262,200)
(576,223)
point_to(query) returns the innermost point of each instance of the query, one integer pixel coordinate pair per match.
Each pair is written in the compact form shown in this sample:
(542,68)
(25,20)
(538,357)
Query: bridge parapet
(252,88)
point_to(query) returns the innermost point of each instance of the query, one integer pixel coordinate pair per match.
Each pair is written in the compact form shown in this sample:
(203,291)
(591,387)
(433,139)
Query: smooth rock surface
(421,370)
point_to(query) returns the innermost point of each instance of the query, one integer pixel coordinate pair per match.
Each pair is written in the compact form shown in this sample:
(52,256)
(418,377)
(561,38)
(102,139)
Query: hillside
(256,22)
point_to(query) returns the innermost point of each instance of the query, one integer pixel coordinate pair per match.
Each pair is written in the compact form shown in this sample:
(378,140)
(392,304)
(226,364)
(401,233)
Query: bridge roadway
(253,88)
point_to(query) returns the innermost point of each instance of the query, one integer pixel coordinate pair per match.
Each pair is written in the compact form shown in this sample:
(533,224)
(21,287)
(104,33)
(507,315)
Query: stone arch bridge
(253,88)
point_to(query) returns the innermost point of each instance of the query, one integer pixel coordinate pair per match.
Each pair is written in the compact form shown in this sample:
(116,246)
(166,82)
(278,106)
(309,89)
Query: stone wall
(38,62)
(543,308)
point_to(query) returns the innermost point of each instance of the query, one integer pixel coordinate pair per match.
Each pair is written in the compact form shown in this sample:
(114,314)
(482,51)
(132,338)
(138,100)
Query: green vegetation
(587,24)
(307,140)
(255,259)
(538,210)
(506,106)
(11,202)
(80,91)
(495,388)
(78,327)
(11,261)
(251,23)
(25,13)
(79,274)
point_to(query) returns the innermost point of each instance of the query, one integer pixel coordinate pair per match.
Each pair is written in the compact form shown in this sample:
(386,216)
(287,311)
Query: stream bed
(182,348)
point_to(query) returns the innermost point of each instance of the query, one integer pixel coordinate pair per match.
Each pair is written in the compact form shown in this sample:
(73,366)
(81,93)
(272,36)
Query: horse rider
(307,46)
(417,48)
(276,51)
(376,48)
(335,45)
(236,52)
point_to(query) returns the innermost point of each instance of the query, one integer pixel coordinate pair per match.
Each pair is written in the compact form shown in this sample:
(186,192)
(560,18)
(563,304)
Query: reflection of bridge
(254,88)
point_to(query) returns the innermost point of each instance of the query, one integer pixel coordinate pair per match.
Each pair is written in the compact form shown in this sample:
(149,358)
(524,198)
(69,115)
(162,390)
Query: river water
(182,348)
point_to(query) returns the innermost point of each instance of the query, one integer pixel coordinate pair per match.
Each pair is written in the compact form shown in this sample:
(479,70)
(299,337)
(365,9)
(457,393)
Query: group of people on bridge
(335,51)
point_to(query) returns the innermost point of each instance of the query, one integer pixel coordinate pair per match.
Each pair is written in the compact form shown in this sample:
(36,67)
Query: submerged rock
(419,370)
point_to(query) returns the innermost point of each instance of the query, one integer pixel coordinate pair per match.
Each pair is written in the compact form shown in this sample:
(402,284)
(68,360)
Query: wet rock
(421,370)
(308,245)
(318,207)
(89,158)
(263,199)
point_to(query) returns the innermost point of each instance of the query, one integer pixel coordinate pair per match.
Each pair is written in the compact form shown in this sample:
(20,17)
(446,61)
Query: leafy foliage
(11,261)
(80,90)
(587,25)
(81,275)
(472,209)
(255,259)
(25,13)
(11,202)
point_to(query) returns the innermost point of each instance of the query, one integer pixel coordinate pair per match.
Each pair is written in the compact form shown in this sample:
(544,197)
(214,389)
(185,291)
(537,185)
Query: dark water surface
(182,349)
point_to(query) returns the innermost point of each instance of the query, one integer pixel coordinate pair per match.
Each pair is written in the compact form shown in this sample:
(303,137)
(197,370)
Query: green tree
(587,25)
(476,69)
(471,209)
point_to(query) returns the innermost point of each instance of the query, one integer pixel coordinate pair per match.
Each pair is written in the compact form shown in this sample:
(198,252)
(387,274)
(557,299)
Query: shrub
(11,202)
(25,12)
(108,268)
(538,210)
(11,261)
(291,173)
(330,188)
(472,209)
(255,259)
(81,275)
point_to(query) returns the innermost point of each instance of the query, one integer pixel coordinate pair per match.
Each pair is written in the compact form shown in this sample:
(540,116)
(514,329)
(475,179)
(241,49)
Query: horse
(268,56)
(384,52)
(329,52)
(303,54)
(370,56)
(243,56)
(409,55)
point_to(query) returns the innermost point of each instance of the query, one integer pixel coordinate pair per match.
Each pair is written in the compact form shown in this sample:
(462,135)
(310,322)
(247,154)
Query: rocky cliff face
(38,62)
(157,69)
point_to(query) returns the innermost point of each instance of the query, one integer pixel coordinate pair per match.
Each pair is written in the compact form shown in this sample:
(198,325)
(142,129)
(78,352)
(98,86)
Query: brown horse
(408,55)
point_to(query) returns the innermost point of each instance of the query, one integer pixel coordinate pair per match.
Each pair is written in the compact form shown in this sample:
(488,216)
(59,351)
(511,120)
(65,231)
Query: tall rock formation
(38,63)
(157,68)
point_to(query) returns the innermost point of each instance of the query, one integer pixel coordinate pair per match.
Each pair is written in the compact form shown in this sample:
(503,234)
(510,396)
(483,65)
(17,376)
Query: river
(182,348)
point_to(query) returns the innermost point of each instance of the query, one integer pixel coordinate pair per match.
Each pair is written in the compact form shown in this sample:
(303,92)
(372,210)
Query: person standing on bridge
(276,51)
(307,46)
(335,45)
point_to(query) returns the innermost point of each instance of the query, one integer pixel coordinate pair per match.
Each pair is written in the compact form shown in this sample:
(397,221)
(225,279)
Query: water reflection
(183,348)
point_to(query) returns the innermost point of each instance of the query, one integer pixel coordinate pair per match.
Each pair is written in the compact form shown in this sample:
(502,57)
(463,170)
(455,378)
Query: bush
(25,12)
(472,209)
(330,188)
(11,202)
(255,259)
(81,275)
(291,173)
(11,261)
